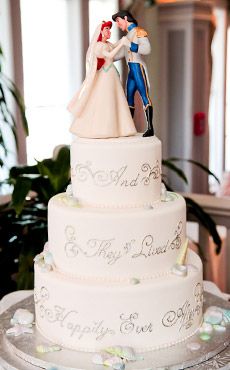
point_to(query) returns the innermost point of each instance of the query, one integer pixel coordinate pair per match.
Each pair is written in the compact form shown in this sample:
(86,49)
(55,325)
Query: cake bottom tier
(88,316)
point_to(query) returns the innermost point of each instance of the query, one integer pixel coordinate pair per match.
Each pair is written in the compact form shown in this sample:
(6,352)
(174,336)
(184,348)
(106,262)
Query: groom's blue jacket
(137,72)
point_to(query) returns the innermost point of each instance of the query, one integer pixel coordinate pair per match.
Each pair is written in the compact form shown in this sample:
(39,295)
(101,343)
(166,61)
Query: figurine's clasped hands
(125,41)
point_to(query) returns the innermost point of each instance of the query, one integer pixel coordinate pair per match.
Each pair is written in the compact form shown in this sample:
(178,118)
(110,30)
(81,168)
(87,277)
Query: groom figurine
(137,44)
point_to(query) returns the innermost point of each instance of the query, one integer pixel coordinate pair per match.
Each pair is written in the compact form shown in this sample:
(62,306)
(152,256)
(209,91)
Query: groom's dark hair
(122,14)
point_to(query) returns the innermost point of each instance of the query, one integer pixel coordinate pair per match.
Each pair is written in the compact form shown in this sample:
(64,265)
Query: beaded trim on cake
(138,350)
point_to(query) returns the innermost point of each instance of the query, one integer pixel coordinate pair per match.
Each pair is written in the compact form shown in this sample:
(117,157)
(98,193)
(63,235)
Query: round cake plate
(20,352)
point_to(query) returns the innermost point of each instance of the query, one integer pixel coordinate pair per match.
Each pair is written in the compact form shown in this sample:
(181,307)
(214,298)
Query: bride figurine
(100,108)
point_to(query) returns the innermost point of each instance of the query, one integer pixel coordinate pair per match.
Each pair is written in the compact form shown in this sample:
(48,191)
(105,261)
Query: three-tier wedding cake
(115,241)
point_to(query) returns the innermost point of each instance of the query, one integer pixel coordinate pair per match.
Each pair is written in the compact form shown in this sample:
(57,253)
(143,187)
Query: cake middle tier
(121,172)
(116,244)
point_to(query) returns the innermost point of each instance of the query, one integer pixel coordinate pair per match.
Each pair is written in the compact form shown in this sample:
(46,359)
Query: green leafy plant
(192,207)
(21,238)
(23,222)
(46,178)
(7,119)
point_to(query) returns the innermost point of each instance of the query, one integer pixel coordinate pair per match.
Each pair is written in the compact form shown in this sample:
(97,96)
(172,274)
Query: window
(217,149)
(102,10)
(53,58)
(46,75)
(227,120)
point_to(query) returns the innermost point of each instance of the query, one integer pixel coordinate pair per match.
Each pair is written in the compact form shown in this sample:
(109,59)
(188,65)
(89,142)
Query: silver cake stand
(19,353)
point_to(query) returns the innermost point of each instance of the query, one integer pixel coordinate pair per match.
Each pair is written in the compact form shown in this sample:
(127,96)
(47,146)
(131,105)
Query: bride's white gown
(105,113)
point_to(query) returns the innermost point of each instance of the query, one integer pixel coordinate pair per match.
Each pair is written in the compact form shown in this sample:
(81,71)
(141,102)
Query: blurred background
(43,46)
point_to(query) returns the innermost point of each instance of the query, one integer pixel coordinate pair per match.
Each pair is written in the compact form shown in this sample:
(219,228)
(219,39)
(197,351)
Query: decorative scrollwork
(176,242)
(198,293)
(153,172)
(127,324)
(71,247)
(83,172)
(120,177)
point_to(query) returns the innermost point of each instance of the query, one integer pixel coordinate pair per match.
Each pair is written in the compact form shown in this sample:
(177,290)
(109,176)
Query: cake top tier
(122,172)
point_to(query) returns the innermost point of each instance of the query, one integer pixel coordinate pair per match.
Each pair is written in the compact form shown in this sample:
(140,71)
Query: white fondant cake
(113,244)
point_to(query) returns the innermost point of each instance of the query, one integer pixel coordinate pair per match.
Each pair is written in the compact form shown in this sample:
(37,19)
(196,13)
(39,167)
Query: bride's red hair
(101,61)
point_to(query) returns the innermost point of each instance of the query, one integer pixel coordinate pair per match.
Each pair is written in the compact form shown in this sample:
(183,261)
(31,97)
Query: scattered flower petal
(18,330)
(134,281)
(45,349)
(205,337)
(206,328)
(116,357)
(226,315)
(126,353)
(193,346)
(119,366)
(111,361)
(163,192)
(179,270)
(23,317)
(98,359)
(213,315)
(69,190)
(219,328)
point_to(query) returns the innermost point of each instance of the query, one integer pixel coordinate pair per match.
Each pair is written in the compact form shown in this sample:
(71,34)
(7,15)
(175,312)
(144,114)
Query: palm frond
(12,88)
(205,220)
(7,89)
(177,170)
(198,164)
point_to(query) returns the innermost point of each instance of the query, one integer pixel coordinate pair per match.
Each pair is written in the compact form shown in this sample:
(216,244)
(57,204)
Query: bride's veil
(78,102)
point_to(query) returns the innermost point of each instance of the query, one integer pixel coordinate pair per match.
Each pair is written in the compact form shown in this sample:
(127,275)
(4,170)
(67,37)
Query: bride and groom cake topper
(100,108)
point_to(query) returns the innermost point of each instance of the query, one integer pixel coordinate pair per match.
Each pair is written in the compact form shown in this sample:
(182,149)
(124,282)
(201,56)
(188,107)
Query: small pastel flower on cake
(45,260)
(134,281)
(163,192)
(68,198)
(180,268)
(69,191)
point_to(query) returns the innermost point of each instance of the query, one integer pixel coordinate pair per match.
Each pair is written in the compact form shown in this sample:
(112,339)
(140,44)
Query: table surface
(220,361)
